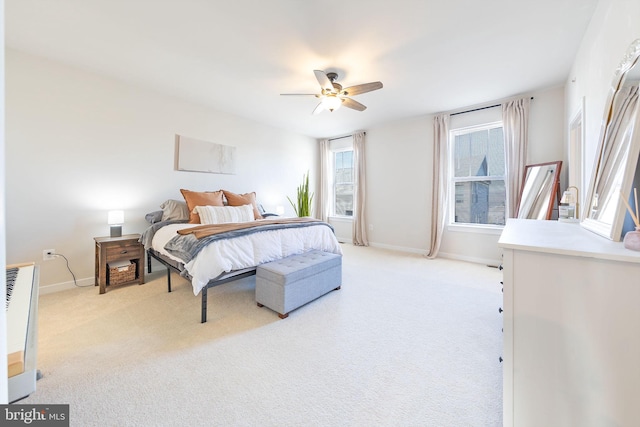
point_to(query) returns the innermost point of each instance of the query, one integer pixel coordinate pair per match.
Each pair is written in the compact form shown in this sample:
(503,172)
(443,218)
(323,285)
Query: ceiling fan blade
(350,103)
(363,88)
(324,81)
(319,109)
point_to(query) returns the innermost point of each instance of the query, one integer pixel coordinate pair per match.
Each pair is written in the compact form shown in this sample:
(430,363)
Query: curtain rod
(342,137)
(477,109)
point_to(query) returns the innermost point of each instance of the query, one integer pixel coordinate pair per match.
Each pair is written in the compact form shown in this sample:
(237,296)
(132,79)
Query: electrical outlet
(370,227)
(48,254)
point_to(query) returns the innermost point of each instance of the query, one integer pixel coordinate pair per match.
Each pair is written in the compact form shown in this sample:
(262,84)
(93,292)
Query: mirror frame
(613,231)
(554,186)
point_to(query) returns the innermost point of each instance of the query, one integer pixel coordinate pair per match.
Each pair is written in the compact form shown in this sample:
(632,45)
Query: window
(343,182)
(340,173)
(478,168)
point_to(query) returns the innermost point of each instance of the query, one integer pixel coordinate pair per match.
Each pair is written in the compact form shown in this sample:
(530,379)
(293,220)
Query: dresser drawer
(123,250)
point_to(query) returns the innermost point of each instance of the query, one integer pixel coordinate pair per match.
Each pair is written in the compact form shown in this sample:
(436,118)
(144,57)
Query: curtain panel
(325,180)
(515,121)
(359,191)
(440,196)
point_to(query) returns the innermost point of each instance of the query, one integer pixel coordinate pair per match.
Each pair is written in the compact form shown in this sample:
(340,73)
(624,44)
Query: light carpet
(406,342)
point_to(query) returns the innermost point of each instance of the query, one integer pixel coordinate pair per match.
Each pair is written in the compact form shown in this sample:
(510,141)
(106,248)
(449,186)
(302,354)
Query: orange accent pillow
(203,198)
(234,199)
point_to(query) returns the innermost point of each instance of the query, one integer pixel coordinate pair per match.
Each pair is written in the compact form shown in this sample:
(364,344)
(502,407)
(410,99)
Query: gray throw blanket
(186,247)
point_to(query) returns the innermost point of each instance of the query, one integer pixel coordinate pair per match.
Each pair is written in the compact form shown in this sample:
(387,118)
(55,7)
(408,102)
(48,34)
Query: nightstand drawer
(116,252)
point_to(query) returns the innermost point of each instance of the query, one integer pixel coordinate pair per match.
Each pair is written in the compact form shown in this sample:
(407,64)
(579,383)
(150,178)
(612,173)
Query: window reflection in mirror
(618,150)
(539,190)
(619,136)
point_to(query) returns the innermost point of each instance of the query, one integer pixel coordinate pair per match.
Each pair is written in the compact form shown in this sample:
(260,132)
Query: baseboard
(475,260)
(64,286)
(423,252)
(398,248)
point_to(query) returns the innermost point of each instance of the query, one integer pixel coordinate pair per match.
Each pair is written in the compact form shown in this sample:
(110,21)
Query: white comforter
(223,256)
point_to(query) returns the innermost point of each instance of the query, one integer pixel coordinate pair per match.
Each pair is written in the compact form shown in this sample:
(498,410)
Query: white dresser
(571,327)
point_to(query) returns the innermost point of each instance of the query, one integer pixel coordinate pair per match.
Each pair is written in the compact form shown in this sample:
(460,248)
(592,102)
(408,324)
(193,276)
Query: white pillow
(224,214)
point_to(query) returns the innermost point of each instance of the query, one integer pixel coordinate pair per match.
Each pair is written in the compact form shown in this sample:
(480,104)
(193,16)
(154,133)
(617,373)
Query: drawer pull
(124,251)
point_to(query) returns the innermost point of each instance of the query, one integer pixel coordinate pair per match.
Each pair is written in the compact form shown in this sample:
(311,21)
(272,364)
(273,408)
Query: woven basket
(119,275)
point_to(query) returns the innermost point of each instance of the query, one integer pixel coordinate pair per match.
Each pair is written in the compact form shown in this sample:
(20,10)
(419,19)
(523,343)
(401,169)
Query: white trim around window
(337,146)
(452,225)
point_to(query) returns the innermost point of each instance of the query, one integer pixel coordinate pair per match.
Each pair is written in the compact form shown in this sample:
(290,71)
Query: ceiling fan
(332,95)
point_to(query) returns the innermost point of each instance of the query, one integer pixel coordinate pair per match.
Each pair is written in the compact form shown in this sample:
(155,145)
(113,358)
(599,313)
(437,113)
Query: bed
(216,253)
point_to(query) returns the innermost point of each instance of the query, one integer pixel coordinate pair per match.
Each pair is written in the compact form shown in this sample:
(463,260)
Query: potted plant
(302,207)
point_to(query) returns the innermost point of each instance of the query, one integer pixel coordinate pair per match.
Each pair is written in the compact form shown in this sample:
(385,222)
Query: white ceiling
(239,56)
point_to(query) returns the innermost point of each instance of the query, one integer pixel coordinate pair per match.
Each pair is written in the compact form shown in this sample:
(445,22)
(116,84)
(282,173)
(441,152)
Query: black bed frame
(220,280)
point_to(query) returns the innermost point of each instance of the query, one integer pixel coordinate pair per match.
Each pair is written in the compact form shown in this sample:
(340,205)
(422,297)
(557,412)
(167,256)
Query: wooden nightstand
(114,250)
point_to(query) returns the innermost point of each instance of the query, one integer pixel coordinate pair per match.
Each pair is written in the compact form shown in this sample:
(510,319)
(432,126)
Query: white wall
(399,177)
(399,167)
(79,144)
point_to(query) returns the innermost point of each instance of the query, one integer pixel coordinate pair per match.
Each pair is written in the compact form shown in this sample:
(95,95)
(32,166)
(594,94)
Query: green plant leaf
(302,206)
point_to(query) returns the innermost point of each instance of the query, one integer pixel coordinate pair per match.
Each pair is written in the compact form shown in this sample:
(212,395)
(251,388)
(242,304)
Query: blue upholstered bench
(291,282)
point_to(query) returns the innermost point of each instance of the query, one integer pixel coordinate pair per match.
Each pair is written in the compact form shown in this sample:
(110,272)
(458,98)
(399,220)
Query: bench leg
(282,316)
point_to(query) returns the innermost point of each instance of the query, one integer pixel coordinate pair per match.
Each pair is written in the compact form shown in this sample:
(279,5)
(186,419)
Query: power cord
(75,282)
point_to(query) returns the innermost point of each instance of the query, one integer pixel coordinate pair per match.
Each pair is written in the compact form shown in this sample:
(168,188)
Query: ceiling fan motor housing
(332,78)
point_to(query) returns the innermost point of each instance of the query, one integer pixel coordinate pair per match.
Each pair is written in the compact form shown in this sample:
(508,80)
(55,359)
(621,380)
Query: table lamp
(571,211)
(115,220)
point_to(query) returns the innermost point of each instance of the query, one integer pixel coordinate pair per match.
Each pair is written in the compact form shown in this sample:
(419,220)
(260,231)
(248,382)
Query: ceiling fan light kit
(332,95)
(331,102)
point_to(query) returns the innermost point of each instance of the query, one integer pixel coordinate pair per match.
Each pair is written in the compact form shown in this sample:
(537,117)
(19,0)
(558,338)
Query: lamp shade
(115,217)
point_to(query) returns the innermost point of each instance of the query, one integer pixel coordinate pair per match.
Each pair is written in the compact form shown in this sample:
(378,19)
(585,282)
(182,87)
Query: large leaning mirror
(618,151)
(539,188)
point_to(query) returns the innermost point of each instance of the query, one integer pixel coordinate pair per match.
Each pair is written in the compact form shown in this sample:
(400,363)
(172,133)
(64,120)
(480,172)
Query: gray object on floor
(291,282)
